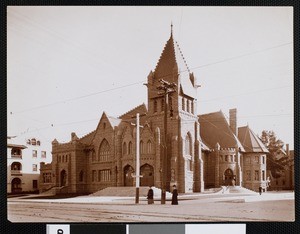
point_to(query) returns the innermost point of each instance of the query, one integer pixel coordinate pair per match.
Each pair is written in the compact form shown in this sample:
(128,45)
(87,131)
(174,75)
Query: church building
(192,152)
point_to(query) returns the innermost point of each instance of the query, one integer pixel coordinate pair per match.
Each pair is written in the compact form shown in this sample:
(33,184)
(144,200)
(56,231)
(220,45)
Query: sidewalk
(268,196)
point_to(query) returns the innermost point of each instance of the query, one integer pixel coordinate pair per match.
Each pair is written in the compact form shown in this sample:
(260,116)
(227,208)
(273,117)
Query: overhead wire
(18,14)
(124,86)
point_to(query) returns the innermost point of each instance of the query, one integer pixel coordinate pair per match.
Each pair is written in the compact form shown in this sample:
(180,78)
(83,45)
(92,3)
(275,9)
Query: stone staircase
(128,192)
(236,189)
(55,190)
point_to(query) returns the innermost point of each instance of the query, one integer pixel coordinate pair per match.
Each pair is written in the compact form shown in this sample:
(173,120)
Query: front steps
(129,192)
(236,189)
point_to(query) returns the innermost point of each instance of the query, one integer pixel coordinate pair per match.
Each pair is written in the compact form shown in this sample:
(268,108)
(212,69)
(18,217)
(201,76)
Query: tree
(274,145)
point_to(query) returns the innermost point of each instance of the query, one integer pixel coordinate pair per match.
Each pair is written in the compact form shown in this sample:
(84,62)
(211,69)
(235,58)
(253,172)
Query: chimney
(232,121)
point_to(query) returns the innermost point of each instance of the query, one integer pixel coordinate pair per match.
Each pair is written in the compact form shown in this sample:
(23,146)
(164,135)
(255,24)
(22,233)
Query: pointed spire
(171,29)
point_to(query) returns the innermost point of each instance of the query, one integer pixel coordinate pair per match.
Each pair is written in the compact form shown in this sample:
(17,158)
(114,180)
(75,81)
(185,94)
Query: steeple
(172,68)
(171,61)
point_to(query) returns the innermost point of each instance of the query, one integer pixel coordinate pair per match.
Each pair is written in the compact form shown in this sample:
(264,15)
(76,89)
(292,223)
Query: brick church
(202,151)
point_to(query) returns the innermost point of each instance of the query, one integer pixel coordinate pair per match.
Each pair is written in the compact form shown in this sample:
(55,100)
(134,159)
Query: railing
(16,155)
(16,172)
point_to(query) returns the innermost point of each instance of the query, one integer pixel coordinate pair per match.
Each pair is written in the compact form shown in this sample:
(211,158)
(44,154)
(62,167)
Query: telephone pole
(137,169)
(165,89)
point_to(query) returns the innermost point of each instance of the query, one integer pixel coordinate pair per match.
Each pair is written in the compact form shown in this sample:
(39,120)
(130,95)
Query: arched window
(183,104)
(162,104)
(142,147)
(149,147)
(81,176)
(155,106)
(124,148)
(188,145)
(104,151)
(16,166)
(130,147)
(33,141)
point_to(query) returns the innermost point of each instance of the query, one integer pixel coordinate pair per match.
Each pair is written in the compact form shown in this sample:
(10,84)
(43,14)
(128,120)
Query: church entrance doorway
(229,178)
(63,178)
(147,172)
(128,173)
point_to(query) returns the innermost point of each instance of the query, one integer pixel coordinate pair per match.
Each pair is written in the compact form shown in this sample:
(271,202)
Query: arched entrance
(128,173)
(63,178)
(16,185)
(229,178)
(147,172)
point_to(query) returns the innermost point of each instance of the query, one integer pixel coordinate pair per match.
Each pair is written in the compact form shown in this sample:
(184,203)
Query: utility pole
(165,88)
(137,169)
(137,179)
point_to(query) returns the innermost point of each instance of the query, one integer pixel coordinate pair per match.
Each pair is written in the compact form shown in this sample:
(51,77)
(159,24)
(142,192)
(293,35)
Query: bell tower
(183,166)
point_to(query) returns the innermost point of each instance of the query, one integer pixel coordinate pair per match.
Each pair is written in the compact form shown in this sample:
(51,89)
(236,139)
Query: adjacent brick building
(196,158)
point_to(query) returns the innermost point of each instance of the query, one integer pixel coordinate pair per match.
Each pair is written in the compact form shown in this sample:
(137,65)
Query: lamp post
(166,88)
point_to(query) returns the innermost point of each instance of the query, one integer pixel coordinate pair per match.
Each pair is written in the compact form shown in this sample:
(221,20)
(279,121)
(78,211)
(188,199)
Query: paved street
(270,206)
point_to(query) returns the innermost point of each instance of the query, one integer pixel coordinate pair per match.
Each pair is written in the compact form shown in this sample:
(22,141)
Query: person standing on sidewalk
(260,190)
(150,196)
(174,196)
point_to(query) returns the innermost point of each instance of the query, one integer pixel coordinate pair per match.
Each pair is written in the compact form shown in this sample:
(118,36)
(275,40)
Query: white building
(23,164)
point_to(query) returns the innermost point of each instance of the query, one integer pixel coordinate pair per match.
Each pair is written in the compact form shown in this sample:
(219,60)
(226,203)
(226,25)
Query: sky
(66,65)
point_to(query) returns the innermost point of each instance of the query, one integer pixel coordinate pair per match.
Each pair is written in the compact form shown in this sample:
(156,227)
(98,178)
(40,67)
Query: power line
(76,98)
(246,93)
(241,56)
(92,94)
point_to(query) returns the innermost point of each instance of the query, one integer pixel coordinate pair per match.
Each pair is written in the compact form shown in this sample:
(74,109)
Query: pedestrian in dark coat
(260,190)
(174,196)
(150,196)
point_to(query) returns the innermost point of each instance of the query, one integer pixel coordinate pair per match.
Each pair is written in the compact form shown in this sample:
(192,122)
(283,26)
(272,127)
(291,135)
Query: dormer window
(38,143)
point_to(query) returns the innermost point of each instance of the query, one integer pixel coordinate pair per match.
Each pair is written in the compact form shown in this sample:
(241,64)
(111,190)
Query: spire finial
(171,29)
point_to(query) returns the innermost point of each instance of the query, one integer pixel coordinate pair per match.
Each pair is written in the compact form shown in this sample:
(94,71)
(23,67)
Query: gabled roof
(214,129)
(250,141)
(87,139)
(187,86)
(139,109)
(114,121)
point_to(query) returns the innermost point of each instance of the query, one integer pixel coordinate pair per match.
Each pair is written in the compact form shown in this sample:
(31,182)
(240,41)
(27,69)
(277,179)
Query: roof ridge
(215,112)
(161,54)
(133,109)
(88,134)
(177,44)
